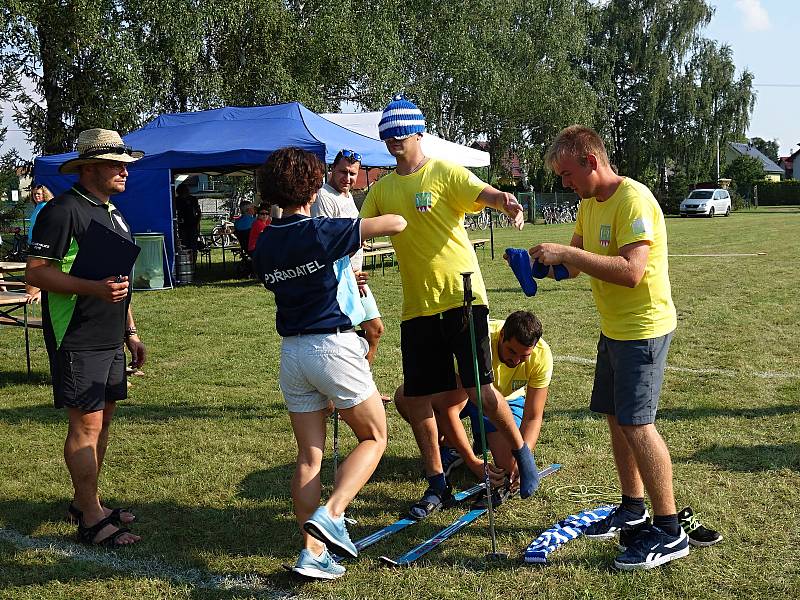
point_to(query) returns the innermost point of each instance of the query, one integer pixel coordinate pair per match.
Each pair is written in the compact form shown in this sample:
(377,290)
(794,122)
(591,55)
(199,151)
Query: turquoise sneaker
(318,567)
(331,531)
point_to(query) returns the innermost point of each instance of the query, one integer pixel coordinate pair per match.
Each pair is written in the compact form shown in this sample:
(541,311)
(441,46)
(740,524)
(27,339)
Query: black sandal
(432,501)
(86,535)
(74,516)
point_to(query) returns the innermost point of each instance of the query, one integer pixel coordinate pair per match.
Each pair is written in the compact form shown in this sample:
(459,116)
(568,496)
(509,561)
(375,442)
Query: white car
(707,203)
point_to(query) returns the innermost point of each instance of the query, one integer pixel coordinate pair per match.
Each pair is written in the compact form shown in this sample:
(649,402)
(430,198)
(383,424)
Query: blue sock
(539,270)
(437,482)
(528,473)
(520,262)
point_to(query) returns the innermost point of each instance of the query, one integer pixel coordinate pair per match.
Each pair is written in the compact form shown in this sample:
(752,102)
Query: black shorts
(428,345)
(87,379)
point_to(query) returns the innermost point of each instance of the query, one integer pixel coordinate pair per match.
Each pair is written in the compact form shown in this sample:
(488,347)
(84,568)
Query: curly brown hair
(290,177)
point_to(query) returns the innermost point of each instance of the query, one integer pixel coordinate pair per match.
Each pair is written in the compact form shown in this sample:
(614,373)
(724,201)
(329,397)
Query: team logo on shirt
(518,383)
(423,201)
(605,235)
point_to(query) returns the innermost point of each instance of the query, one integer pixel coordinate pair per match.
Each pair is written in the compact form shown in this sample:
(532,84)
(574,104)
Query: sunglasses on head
(350,155)
(107,150)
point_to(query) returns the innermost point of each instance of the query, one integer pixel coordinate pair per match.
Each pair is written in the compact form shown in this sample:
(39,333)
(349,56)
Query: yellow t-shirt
(630,215)
(534,372)
(434,249)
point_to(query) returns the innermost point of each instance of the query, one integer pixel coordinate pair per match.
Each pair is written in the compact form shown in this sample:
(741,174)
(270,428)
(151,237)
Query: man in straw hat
(85,323)
(433,196)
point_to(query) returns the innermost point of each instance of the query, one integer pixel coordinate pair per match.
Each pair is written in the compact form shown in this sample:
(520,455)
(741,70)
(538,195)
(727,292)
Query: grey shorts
(326,367)
(628,378)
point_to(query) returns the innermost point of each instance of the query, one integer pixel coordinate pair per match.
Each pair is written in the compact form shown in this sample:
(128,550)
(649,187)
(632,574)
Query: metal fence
(549,207)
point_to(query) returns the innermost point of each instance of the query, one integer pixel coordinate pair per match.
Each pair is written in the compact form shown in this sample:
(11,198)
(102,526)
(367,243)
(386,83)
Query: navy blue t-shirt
(305,262)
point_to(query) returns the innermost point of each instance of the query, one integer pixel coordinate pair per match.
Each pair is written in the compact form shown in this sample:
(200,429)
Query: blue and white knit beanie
(400,119)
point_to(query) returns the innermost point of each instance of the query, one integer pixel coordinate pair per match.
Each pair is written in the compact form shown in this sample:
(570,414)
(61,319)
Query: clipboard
(103,253)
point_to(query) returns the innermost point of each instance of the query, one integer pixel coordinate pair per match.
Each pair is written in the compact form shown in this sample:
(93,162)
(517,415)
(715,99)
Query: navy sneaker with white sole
(652,547)
(618,519)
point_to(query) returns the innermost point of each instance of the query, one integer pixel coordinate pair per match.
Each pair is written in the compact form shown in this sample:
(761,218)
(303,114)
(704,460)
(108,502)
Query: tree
(745,171)
(769,149)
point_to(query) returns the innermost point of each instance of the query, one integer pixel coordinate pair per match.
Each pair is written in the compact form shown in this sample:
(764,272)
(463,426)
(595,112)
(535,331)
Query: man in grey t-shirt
(335,200)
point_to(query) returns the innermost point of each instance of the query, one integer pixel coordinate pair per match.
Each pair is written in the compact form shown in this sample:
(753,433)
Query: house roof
(750,150)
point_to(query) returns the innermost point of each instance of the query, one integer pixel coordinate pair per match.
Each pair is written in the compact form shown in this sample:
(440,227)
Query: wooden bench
(480,243)
(33,322)
(382,254)
(14,301)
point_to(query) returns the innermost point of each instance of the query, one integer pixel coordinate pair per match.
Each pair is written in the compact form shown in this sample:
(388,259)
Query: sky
(761,34)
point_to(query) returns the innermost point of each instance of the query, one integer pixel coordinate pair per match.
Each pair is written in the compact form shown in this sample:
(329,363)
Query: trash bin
(148,272)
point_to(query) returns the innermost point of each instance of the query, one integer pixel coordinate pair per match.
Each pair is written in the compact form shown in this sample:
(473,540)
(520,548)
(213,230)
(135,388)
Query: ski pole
(468,298)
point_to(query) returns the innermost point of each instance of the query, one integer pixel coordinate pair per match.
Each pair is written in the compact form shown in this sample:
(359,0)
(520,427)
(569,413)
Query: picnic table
(384,251)
(10,304)
(11,267)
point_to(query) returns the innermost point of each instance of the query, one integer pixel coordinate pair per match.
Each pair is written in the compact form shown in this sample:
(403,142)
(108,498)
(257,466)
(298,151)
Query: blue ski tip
(390,562)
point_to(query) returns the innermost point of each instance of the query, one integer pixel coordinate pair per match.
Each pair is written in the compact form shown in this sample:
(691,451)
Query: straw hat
(100,144)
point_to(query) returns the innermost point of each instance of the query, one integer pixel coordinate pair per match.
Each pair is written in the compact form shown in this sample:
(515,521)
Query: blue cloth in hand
(539,270)
(528,473)
(560,272)
(520,263)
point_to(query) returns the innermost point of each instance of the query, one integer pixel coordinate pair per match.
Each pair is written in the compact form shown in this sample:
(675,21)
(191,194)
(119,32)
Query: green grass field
(204,453)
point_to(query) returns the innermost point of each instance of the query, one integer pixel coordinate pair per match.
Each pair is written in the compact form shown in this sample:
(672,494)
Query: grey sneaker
(318,567)
(332,532)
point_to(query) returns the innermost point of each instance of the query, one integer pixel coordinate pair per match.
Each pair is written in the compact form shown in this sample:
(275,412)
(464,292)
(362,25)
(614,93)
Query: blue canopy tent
(220,140)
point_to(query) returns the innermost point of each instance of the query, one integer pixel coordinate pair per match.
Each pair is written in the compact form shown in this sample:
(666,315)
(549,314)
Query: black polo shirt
(77,322)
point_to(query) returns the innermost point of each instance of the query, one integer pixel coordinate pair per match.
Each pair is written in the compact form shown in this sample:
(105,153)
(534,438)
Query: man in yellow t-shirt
(433,196)
(620,241)
(522,366)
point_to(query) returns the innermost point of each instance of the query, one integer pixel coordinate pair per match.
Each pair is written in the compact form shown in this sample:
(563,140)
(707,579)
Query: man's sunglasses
(263,214)
(107,150)
(350,155)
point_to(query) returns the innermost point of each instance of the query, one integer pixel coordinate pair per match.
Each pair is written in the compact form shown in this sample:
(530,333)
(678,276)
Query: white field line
(147,567)
(578,360)
(720,255)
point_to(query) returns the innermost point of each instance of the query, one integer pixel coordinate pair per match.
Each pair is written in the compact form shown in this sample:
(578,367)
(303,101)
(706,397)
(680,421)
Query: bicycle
(17,249)
(477,221)
(223,234)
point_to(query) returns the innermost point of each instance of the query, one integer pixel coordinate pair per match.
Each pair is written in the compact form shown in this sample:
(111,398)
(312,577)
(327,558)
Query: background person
(189,214)
(39,195)
(433,196)
(335,200)
(305,263)
(260,224)
(85,323)
(620,241)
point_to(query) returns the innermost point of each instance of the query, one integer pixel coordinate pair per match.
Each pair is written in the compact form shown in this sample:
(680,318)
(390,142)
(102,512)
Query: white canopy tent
(367,124)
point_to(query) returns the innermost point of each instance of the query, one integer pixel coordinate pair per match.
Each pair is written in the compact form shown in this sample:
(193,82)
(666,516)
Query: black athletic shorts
(87,379)
(428,345)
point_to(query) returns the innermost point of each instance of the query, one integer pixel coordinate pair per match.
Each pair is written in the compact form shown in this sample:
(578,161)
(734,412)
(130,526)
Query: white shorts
(370,306)
(323,367)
